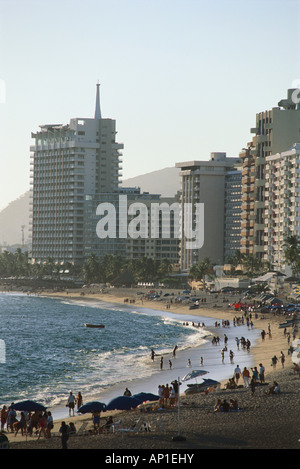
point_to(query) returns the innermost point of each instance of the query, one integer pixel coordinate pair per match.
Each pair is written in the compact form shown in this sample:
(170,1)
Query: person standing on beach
(71,403)
(3,417)
(64,430)
(49,424)
(274,362)
(176,385)
(79,400)
(246,376)
(161,363)
(261,373)
(252,385)
(282,359)
(237,374)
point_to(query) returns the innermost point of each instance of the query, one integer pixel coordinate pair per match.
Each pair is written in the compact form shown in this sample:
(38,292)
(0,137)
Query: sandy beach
(264,421)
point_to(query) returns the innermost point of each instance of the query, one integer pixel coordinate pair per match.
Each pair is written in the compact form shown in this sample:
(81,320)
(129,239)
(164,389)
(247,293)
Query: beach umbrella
(194,374)
(94,406)
(296,343)
(29,406)
(146,396)
(296,356)
(123,403)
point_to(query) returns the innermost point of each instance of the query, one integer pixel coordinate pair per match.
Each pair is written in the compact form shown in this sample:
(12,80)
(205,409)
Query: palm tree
(91,269)
(253,264)
(291,249)
(165,267)
(236,259)
(201,270)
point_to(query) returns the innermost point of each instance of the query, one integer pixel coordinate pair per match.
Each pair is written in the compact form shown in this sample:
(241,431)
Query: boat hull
(95,326)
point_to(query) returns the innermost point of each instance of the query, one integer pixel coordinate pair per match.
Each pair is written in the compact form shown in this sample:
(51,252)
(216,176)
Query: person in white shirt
(71,403)
(237,374)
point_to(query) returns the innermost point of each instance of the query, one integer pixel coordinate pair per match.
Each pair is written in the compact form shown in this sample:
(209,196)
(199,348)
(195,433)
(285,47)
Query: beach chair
(156,425)
(135,428)
(145,426)
(82,430)
(113,427)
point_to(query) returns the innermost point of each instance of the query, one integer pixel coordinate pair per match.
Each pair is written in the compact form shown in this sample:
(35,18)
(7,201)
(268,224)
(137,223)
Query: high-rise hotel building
(216,184)
(282,209)
(68,162)
(275,131)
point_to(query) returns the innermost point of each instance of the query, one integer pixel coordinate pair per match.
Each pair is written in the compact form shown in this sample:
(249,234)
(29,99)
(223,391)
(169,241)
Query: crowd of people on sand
(168,394)
(29,423)
(224,406)
(37,423)
(256,376)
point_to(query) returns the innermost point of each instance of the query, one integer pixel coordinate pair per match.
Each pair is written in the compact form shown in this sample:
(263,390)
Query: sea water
(49,352)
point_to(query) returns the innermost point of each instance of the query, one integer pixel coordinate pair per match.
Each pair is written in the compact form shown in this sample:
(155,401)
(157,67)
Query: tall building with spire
(67,163)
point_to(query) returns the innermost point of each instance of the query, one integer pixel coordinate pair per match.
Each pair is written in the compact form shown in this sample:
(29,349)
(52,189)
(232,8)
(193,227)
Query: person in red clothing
(246,376)
(3,417)
(166,395)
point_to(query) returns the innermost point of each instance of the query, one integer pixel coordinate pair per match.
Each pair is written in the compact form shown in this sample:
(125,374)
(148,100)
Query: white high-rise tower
(69,162)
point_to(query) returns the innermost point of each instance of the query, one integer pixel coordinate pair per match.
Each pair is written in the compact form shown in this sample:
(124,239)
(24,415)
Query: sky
(182,78)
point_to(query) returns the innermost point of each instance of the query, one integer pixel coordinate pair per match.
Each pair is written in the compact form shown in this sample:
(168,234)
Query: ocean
(49,352)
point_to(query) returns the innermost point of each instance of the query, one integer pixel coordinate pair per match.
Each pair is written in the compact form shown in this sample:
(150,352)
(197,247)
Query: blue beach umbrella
(146,396)
(123,403)
(29,406)
(94,406)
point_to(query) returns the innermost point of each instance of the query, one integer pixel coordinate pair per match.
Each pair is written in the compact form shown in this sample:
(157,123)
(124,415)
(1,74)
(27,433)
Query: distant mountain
(12,219)
(164,181)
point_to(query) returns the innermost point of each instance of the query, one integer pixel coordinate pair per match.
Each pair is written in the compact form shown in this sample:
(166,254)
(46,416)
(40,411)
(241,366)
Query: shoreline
(261,351)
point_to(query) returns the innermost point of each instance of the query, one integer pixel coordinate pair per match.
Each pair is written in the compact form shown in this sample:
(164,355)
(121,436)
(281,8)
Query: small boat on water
(99,326)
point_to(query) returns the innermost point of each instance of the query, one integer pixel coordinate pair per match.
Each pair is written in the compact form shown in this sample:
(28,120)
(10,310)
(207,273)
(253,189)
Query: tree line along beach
(264,421)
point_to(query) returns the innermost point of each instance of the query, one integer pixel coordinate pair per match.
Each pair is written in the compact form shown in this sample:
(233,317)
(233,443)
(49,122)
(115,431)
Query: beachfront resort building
(74,168)
(68,162)
(275,131)
(216,184)
(131,226)
(282,204)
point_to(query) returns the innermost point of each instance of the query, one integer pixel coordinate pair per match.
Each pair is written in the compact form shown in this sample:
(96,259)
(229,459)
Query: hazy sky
(182,78)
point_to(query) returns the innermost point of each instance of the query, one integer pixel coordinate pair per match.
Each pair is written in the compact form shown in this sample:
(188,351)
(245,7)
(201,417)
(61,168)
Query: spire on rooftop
(97,107)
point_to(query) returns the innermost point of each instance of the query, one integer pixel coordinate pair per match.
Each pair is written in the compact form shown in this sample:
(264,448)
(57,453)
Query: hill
(164,181)
(12,218)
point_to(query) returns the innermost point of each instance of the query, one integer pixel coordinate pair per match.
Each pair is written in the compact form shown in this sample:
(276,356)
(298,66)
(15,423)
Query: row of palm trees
(251,264)
(95,270)
(117,268)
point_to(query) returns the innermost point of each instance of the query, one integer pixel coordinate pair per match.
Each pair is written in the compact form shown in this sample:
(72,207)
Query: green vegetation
(109,269)
(291,249)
